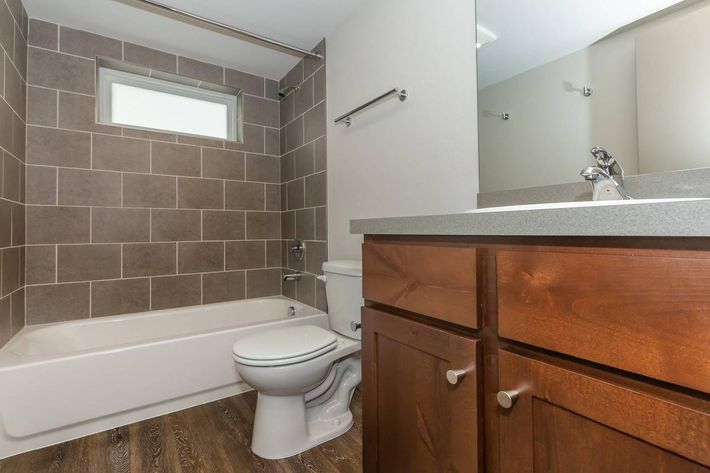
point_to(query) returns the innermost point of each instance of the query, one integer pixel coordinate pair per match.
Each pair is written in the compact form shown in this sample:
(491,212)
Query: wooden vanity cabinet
(567,420)
(420,397)
(579,356)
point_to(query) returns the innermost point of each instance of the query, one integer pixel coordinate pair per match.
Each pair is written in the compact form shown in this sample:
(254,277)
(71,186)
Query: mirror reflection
(558,78)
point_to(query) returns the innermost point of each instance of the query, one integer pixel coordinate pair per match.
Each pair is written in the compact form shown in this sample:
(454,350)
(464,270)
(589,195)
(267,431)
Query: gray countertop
(668,219)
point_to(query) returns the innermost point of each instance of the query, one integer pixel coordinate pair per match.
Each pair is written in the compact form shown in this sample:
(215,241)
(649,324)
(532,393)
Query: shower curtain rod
(232,29)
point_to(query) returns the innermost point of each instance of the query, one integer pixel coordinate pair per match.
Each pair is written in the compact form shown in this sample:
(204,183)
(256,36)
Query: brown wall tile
(273,253)
(245,254)
(150,57)
(271,89)
(319,81)
(296,194)
(196,193)
(273,197)
(321,223)
(88,262)
(41,264)
(57,303)
(44,34)
(222,164)
(120,297)
(18,224)
(245,196)
(110,225)
(262,168)
(115,153)
(286,110)
(175,225)
(83,187)
(5,223)
(223,225)
(263,225)
(15,89)
(306,224)
(223,287)
(181,160)
(41,106)
(304,160)
(321,154)
(293,135)
(263,282)
(316,190)
(249,83)
(143,190)
(294,76)
(258,111)
(149,259)
(11,177)
(7,117)
(7,27)
(314,124)
(78,112)
(60,71)
(176,291)
(306,290)
(50,225)
(271,142)
(5,320)
(303,97)
(89,45)
(18,310)
(10,277)
(252,139)
(316,256)
(58,147)
(200,70)
(200,257)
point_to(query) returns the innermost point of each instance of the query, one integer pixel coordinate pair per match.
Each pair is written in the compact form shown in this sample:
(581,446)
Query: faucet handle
(605,160)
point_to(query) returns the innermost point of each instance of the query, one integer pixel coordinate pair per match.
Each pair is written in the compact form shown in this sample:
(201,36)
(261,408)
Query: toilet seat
(284,346)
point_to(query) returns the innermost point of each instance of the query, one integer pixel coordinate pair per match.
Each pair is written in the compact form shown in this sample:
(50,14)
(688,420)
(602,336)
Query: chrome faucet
(607,178)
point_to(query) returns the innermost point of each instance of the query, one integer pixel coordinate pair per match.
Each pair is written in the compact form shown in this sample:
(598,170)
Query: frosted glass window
(138,101)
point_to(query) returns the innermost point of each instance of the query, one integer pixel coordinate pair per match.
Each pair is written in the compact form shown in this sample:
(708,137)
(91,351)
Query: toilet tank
(343,289)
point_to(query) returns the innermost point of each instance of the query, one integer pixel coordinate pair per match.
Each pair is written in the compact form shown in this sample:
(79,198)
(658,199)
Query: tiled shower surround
(303,176)
(121,220)
(13,89)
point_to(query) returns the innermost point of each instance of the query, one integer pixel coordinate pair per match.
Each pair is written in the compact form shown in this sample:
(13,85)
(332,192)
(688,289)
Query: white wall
(413,158)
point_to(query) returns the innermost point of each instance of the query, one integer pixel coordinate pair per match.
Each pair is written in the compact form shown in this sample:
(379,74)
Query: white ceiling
(532,33)
(302,23)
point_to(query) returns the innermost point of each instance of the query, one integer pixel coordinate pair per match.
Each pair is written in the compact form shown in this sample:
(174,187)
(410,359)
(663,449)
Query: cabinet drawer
(414,418)
(437,281)
(645,313)
(569,419)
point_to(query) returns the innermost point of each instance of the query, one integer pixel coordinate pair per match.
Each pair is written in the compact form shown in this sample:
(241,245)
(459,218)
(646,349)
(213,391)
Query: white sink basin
(566,205)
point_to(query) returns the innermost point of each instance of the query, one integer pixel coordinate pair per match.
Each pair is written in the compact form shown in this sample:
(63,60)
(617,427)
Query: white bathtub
(63,381)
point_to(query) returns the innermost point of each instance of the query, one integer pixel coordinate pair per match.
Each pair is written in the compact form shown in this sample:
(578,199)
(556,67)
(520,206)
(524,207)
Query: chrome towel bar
(347,117)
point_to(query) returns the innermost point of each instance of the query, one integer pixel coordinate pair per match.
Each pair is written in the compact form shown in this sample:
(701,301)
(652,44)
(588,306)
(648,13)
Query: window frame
(109,74)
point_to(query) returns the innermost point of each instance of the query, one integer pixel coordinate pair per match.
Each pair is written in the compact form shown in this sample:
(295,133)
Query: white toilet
(305,375)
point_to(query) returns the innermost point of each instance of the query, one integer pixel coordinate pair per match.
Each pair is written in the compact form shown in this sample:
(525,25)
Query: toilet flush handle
(355,326)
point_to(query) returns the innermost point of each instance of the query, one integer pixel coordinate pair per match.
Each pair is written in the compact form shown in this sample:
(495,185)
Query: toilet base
(288,425)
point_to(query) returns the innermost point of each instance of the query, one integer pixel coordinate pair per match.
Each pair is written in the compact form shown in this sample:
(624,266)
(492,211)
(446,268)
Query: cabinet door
(564,420)
(414,418)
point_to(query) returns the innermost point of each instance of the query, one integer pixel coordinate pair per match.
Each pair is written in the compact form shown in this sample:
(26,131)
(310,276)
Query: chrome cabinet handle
(454,376)
(355,326)
(506,399)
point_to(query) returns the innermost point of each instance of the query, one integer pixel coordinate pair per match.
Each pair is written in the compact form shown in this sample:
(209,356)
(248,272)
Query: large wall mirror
(558,77)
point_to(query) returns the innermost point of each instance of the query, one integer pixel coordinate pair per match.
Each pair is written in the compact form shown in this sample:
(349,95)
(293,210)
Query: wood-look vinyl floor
(210,438)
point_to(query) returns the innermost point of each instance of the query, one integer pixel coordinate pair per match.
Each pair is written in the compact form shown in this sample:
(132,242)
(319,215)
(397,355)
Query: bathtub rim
(11,360)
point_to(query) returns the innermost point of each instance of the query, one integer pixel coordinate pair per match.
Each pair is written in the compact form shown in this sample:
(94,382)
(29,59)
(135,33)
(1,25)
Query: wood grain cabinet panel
(647,313)
(564,421)
(414,420)
(436,281)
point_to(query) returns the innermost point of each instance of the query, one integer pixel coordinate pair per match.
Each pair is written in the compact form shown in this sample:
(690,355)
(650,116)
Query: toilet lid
(283,345)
